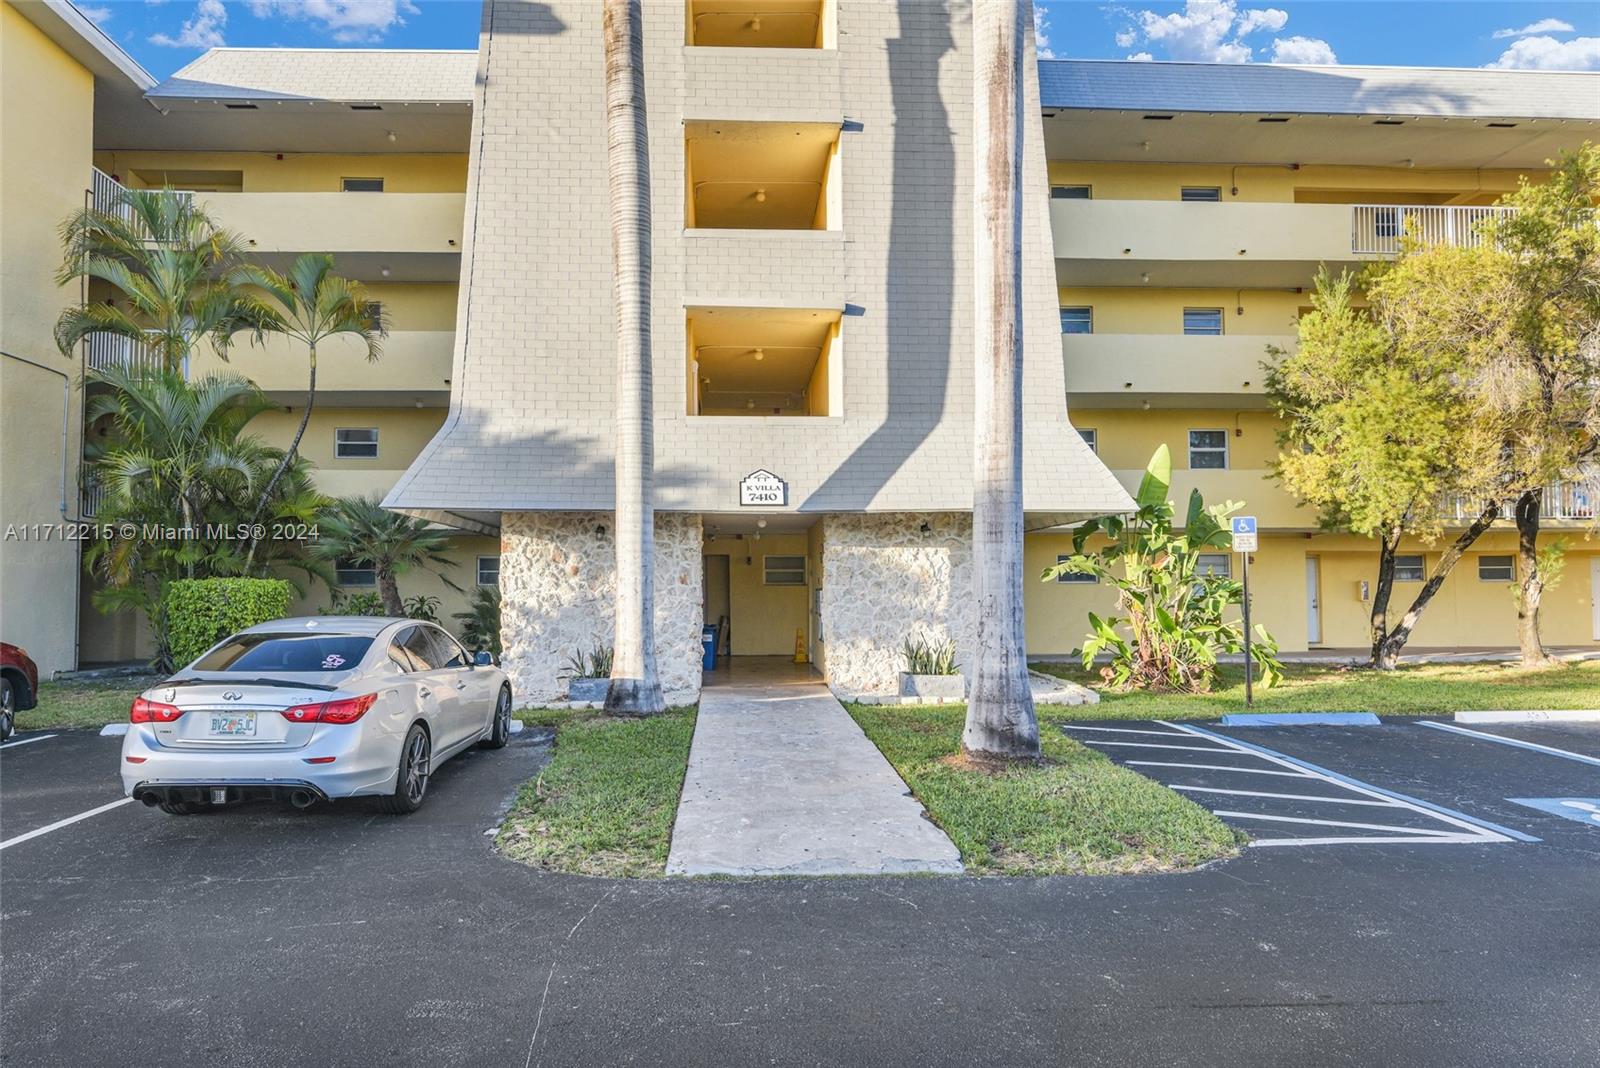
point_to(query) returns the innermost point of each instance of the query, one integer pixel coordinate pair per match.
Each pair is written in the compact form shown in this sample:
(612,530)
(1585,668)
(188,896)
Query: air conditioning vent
(241,107)
(366,107)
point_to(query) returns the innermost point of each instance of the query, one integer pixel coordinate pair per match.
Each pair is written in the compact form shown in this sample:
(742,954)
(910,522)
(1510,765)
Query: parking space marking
(25,741)
(1548,750)
(1584,810)
(1153,745)
(58,824)
(1218,767)
(1286,797)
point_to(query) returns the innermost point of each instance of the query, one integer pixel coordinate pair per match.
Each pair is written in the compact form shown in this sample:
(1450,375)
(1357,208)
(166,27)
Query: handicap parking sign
(1583,809)
(1244,533)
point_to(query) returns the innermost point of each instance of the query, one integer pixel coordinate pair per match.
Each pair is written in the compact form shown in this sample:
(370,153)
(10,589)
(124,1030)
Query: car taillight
(144,711)
(344,710)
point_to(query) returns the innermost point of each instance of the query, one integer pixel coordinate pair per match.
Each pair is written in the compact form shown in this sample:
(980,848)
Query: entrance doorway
(1313,600)
(761,571)
(718,602)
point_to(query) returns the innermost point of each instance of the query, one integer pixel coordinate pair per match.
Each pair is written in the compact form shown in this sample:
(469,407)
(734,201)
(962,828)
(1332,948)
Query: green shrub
(201,612)
(925,656)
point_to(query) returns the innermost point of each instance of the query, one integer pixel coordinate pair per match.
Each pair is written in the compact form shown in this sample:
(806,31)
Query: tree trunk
(1530,584)
(1380,596)
(635,689)
(389,590)
(1389,653)
(1000,715)
(288,459)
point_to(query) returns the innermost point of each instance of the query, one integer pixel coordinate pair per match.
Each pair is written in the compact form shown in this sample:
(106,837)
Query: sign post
(1244,543)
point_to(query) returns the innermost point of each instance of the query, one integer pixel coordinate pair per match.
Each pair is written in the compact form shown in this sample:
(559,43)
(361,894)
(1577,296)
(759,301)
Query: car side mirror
(483,658)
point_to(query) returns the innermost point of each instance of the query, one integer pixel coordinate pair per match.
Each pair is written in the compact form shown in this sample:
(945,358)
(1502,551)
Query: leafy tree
(310,304)
(1380,426)
(362,531)
(1173,624)
(169,263)
(480,623)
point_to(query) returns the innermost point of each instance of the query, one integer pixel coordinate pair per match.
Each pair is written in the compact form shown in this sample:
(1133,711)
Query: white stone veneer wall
(558,580)
(884,580)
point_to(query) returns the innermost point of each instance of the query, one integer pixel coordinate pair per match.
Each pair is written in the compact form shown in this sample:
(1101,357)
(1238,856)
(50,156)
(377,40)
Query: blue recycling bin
(708,646)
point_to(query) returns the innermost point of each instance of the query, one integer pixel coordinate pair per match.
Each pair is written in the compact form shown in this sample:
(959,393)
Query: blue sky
(166,34)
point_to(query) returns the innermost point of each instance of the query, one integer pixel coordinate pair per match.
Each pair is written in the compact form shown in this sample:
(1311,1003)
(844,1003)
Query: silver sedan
(311,709)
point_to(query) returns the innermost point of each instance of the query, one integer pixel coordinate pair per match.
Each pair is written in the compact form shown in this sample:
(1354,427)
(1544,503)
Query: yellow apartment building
(813,243)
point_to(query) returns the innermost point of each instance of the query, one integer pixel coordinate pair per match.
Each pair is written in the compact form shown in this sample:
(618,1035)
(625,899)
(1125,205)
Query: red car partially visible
(19,686)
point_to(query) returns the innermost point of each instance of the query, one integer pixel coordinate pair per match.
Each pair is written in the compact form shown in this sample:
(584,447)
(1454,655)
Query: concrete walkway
(782,782)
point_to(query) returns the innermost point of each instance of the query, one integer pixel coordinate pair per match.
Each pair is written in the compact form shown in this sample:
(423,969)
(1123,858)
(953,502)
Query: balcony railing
(105,351)
(1380,229)
(92,496)
(104,191)
(1577,499)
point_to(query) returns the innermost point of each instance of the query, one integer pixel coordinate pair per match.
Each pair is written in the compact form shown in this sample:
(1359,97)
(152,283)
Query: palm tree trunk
(1530,584)
(635,688)
(1000,715)
(288,458)
(389,590)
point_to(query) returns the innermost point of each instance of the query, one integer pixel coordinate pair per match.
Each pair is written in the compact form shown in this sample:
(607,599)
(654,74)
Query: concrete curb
(1549,715)
(1295,719)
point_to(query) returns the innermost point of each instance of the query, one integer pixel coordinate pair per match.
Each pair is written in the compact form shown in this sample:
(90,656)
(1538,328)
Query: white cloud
(1214,31)
(1542,26)
(97,15)
(1141,57)
(1307,51)
(203,30)
(1547,53)
(1041,34)
(347,21)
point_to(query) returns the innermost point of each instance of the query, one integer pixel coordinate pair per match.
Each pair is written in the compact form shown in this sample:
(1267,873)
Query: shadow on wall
(919,267)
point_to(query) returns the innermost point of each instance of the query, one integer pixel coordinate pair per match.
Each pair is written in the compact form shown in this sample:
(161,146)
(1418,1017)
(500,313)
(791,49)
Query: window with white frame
(1070,192)
(1073,578)
(1200,194)
(1219,565)
(1408,568)
(1077,320)
(1202,322)
(1091,438)
(488,571)
(1497,569)
(1208,450)
(783,570)
(355,442)
(349,572)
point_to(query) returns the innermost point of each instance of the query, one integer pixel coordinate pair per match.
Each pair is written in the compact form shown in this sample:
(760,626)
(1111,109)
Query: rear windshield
(286,652)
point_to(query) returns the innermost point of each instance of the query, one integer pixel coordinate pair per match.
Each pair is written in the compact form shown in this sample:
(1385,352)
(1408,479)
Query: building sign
(1244,533)
(763,489)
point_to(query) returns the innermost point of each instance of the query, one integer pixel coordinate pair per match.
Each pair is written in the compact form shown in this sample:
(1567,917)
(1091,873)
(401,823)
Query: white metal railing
(104,191)
(91,497)
(1378,229)
(104,351)
(1577,498)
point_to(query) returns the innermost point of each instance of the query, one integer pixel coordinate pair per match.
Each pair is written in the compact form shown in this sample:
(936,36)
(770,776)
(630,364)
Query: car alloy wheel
(416,767)
(8,708)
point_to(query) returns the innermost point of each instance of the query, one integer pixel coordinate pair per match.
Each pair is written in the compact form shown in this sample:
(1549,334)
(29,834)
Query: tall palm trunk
(635,689)
(1000,716)
(283,464)
(1530,584)
(389,590)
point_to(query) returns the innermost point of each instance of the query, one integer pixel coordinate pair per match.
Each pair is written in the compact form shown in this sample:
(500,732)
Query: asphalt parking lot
(1464,935)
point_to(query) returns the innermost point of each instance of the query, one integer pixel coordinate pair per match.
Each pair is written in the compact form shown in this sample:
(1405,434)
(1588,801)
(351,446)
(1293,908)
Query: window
(361,185)
(1071,579)
(783,570)
(286,652)
(1408,568)
(450,654)
(1091,438)
(353,573)
(372,314)
(488,571)
(1200,194)
(1070,192)
(1496,569)
(1386,222)
(1202,321)
(419,649)
(1219,565)
(1208,449)
(1077,320)
(355,443)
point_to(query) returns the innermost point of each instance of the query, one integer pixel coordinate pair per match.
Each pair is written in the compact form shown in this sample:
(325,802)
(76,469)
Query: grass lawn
(89,703)
(605,802)
(1079,813)
(1407,691)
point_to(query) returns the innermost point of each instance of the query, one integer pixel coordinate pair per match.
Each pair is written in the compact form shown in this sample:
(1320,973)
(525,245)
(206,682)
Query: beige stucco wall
(762,619)
(46,120)
(558,584)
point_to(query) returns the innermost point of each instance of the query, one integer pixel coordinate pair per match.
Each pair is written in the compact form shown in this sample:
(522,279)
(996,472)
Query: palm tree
(480,623)
(309,304)
(362,531)
(168,261)
(635,688)
(1000,718)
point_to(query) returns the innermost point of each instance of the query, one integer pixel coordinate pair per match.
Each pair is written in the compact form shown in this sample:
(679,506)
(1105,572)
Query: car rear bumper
(154,793)
(364,762)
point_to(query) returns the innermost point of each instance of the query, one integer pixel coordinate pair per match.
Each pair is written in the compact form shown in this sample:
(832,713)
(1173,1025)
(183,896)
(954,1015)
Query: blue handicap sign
(1244,524)
(1583,809)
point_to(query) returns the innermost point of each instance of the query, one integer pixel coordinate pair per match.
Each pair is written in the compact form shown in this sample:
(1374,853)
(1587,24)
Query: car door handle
(424,691)
(460,685)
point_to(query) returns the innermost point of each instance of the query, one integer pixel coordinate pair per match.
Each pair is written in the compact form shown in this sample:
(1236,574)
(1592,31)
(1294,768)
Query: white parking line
(25,741)
(1286,797)
(58,824)
(1155,745)
(1118,730)
(1252,816)
(1219,767)
(1548,750)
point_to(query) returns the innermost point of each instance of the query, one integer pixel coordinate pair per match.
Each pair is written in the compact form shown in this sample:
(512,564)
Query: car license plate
(233,724)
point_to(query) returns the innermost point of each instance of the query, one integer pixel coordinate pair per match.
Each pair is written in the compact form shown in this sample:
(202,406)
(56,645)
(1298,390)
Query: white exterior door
(1314,600)
(1594,595)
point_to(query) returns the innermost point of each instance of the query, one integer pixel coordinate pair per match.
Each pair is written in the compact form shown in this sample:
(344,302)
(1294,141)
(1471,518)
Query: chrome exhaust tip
(302,798)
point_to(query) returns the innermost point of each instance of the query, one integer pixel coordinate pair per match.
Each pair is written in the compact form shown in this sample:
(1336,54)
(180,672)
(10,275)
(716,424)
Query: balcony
(1378,229)
(414,362)
(1577,500)
(102,352)
(1165,367)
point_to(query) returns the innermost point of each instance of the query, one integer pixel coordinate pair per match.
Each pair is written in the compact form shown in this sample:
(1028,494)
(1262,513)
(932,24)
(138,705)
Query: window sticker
(331,661)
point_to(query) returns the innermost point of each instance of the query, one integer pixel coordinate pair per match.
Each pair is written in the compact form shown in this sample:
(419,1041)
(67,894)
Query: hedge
(201,612)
